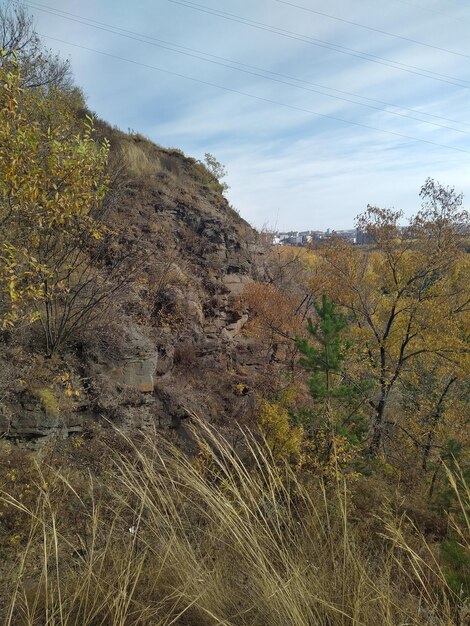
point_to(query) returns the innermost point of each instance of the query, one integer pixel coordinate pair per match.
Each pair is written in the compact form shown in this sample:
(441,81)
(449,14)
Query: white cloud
(312,171)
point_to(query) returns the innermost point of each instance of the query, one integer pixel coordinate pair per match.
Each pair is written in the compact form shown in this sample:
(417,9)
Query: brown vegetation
(224,539)
(335,490)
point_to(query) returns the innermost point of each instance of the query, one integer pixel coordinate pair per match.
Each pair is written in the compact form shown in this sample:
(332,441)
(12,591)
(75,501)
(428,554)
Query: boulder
(136,369)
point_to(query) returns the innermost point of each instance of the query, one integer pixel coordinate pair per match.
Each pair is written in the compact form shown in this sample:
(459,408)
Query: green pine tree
(336,401)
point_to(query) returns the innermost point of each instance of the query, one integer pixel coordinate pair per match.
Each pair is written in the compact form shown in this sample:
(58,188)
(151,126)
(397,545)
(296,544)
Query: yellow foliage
(330,454)
(65,380)
(283,440)
(406,295)
(239,389)
(51,181)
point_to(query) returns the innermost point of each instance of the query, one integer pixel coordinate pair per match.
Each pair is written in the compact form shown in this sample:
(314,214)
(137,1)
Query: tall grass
(223,538)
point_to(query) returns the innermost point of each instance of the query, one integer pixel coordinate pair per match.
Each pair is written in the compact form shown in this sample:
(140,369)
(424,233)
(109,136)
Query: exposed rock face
(175,343)
(136,369)
(37,416)
(236,282)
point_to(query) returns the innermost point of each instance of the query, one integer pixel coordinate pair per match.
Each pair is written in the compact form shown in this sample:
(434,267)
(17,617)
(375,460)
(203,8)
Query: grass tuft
(225,538)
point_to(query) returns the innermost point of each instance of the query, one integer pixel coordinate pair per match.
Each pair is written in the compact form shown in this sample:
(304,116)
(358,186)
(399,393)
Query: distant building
(349,235)
(268,238)
(362,237)
(307,237)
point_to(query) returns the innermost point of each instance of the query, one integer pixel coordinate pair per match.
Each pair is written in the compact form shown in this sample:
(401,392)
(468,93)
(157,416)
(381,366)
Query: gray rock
(139,373)
(137,368)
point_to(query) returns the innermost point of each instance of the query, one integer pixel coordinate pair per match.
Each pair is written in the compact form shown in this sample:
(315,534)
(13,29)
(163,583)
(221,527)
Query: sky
(316,108)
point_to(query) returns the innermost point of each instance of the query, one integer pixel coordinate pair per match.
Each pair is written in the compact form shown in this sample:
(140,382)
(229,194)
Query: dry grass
(224,539)
(139,164)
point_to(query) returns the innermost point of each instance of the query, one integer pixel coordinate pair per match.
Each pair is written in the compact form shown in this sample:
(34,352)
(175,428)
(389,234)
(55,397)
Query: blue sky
(287,166)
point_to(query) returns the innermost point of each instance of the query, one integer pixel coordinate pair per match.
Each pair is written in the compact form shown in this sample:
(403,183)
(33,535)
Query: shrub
(284,441)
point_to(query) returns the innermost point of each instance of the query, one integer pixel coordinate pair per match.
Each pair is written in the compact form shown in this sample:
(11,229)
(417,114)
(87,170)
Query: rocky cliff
(172,340)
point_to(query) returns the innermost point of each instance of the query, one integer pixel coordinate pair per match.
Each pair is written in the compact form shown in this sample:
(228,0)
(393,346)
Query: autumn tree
(18,38)
(405,293)
(434,405)
(52,183)
(280,305)
(272,312)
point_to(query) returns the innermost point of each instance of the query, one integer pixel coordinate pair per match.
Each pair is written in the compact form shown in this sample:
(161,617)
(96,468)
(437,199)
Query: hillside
(171,341)
(203,429)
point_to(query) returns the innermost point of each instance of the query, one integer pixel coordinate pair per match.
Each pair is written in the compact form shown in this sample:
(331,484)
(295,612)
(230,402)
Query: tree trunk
(377,427)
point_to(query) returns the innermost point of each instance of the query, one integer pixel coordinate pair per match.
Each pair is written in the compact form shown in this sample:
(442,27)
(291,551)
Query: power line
(429,10)
(324,44)
(260,98)
(372,29)
(411,69)
(115,30)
